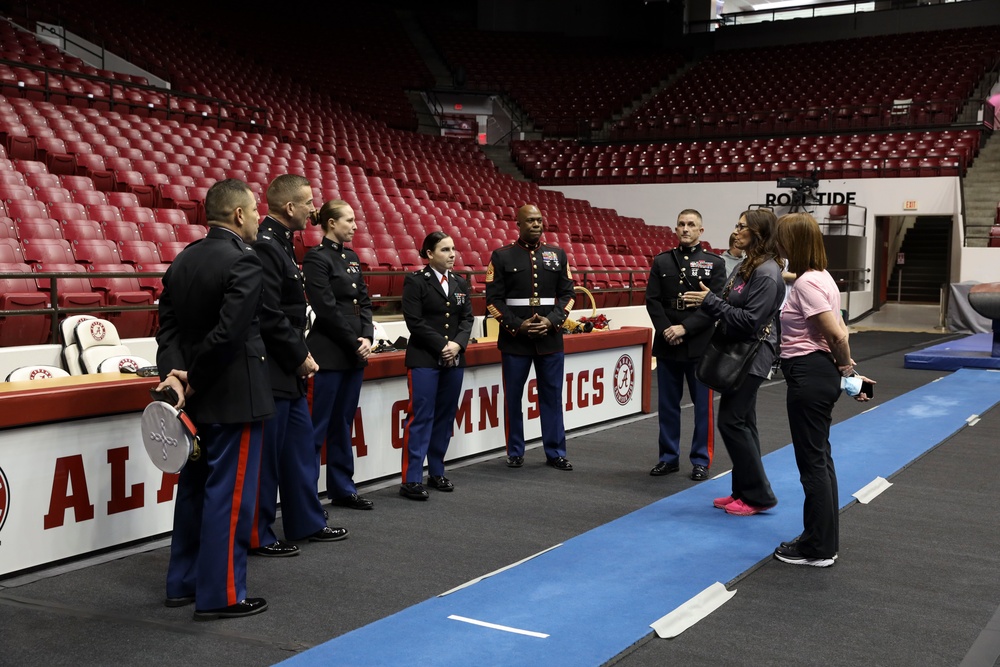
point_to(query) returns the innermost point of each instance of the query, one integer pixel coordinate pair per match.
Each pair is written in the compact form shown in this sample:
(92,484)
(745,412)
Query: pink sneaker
(740,508)
(722,502)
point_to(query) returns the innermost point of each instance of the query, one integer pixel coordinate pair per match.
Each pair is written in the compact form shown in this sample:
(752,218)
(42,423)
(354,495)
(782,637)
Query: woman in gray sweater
(749,304)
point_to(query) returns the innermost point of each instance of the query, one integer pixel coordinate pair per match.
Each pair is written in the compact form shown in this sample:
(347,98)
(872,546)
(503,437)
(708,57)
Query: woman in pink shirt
(815,356)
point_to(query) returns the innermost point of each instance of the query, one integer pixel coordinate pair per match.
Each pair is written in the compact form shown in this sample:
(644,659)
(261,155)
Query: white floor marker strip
(873,488)
(722,474)
(505,628)
(490,574)
(692,611)
(972,420)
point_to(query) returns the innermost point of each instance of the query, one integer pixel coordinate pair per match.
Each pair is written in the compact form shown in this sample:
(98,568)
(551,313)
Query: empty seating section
(567,162)
(871,82)
(90,189)
(565,84)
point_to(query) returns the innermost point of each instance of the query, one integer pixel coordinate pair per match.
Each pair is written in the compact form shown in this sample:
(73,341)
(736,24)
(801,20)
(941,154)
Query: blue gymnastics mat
(970,352)
(598,593)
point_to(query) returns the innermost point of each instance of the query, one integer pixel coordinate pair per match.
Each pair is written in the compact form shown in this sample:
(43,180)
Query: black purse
(726,363)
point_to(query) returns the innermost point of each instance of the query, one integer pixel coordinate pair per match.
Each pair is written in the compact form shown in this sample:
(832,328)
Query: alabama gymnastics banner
(75,487)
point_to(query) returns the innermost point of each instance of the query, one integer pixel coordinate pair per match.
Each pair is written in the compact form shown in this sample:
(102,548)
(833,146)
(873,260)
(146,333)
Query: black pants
(738,425)
(813,389)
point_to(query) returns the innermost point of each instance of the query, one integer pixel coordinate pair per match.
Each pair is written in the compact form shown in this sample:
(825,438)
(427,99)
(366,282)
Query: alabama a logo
(624,379)
(4,498)
(97,330)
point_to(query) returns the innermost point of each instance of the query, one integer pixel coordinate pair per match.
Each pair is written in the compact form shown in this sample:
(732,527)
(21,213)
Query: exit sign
(910,205)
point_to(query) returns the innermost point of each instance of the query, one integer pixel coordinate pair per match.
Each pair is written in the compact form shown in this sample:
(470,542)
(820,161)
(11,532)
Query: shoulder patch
(490,272)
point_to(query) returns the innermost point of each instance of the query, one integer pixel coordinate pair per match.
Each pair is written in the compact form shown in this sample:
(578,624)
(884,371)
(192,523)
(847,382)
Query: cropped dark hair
(431,242)
(689,211)
(224,197)
(283,188)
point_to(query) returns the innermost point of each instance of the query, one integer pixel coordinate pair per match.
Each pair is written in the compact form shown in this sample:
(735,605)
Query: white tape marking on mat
(490,574)
(498,627)
(973,420)
(692,611)
(722,474)
(874,407)
(873,488)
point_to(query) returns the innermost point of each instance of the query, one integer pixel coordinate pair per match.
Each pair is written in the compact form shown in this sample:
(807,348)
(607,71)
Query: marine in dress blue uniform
(211,352)
(529,291)
(340,340)
(289,461)
(438,316)
(681,335)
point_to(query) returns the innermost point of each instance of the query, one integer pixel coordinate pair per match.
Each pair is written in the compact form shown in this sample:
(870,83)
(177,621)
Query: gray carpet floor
(915,584)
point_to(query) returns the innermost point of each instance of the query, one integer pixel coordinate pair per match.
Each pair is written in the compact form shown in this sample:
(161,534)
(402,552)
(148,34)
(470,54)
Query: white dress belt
(534,301)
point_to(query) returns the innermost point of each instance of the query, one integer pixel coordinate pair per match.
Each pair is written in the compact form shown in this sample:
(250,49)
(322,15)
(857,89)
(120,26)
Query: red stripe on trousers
(405,450)
(711,427)
(234,514)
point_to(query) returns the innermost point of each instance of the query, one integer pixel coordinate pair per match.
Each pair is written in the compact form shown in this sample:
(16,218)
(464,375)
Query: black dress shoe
(440,483)
(353,501)
(515,461)
(559,463)
(276,550)
(699,474)
(328,534)
(182,601)
(662,468)
(248,607)
(413,491)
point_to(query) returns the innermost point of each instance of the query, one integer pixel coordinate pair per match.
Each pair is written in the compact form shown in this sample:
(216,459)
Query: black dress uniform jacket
(673,273)
(283,313)
(523,271)
(435,319)
(209,327)
(339,299)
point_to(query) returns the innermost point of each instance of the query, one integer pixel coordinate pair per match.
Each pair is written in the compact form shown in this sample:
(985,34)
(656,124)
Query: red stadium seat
(121,231)
(187,233)
(39,228)
(53,251)
(68,211)
(90,197)
(170,250)
(95,251)
(82,229)
(22,294)
(157,232)
(70,292)
(124,291)
(171,215)
(10,251)
(104,213)
(139,252)
(138,214)
(23,209)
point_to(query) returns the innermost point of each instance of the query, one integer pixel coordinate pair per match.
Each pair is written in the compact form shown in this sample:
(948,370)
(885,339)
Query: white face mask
(851,385)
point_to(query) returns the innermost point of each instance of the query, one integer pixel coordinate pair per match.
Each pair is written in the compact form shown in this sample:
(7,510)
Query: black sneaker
(790,554)
(795,543)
